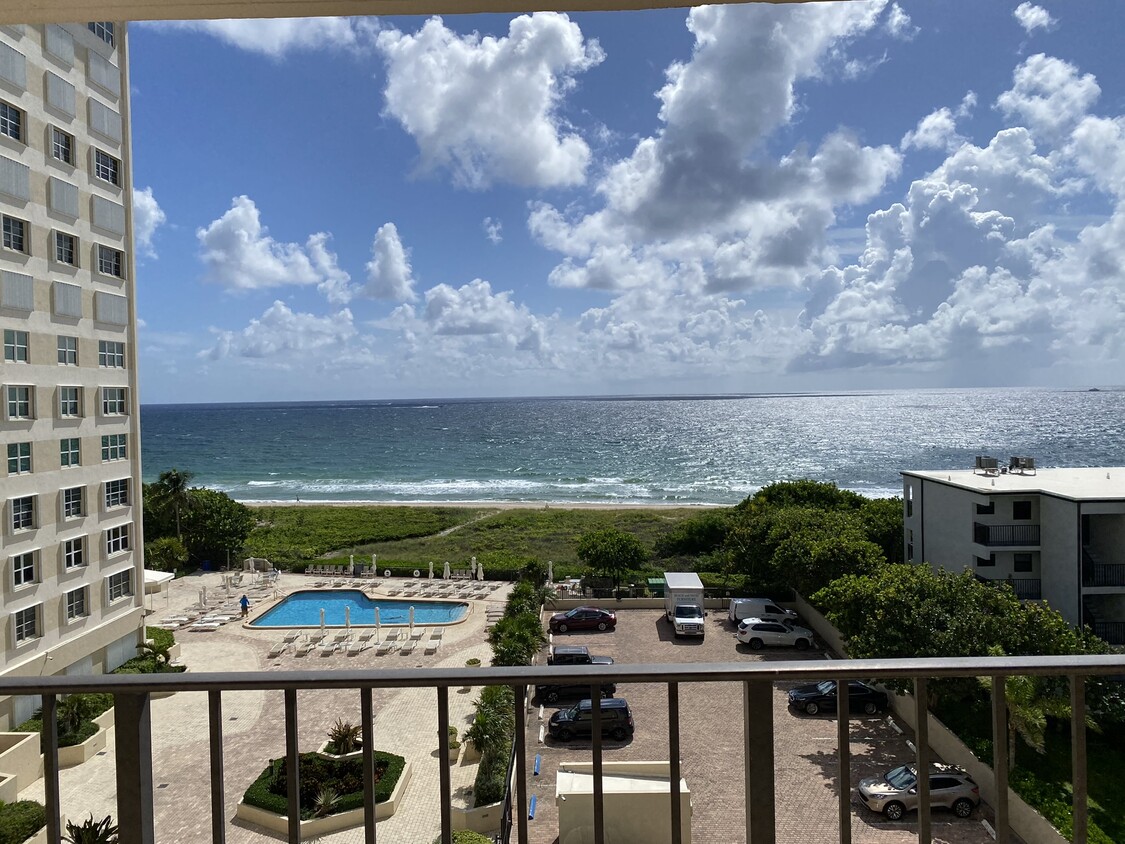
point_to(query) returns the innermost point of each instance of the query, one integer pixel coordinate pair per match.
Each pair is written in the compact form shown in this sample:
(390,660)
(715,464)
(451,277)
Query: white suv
(757,633)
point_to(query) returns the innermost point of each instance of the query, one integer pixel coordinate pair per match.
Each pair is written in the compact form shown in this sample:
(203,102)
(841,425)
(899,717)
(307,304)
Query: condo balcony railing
(1111,631)
(133,748)
(1005,535)
(1027,588)
(1103,574)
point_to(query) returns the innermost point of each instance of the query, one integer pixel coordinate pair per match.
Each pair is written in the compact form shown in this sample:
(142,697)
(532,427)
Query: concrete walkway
(253,727)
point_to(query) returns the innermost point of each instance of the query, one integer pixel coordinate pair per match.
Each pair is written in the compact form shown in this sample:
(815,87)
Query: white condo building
(72,588)
(1055,534)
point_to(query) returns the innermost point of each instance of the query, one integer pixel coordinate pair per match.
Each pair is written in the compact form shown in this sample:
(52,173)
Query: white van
(762,608)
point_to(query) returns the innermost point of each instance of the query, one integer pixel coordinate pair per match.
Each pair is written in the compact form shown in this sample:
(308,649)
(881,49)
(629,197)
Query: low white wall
(79,753)
(482,819)
(563,604)
(20,757)
(323,826)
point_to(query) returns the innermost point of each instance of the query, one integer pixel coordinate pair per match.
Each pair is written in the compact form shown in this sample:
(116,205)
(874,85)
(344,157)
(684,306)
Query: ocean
(623,450)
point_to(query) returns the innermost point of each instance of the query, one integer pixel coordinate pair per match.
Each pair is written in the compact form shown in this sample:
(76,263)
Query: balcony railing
(1103,574)
(1027,588)
(133,750)
(1111,631)
(1005,535)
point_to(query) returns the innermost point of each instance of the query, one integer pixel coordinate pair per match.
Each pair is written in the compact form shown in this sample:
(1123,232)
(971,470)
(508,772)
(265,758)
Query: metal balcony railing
(1103,574)
(1027,588)
(1111,631)
(132,694)
(1005,535)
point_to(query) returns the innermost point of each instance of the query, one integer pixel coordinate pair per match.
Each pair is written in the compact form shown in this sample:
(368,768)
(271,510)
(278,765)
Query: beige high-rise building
(71,596)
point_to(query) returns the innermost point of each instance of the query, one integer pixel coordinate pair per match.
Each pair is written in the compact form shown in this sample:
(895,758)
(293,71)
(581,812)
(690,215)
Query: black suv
(576,655)
(617,720)
(551,692)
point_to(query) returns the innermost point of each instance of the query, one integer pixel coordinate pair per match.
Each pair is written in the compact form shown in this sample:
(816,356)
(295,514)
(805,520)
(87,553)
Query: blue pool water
(302,609)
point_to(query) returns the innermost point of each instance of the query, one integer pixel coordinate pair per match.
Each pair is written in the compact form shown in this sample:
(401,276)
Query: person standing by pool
(244,602)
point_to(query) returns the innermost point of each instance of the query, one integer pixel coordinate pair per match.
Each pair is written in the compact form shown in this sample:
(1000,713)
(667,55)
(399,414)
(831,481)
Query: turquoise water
(302,609)
(676,450)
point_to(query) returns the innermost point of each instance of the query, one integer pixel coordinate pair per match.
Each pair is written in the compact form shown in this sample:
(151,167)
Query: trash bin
(205,565)
(656,586)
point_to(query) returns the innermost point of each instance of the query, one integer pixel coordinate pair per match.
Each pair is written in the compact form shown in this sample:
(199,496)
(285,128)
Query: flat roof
(682,580)
(1080,484)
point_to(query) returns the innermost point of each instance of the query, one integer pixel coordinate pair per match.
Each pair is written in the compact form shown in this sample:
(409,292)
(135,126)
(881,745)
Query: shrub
(19,821)
(466,836)
(148,665)
(91,831)
(344,738)
(490,783)
(160,637)
(454,742)
(75,718)
(345,777)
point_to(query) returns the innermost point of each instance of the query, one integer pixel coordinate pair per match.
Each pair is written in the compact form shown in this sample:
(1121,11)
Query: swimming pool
(302,609)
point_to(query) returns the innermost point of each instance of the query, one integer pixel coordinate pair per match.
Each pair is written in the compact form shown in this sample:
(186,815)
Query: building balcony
(1006,536)
(1027,588)
(1111,631)
(1103,574)
(752,774)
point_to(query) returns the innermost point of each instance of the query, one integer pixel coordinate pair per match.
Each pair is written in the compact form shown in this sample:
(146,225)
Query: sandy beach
(488,505)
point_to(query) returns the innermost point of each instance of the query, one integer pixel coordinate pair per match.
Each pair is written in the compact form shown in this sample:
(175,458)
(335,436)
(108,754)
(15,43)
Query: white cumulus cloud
(487,109)
(279,332)
(1049,95)
(388,272)
(898,23)
(1032,17)
(493,230)
(278,37)
(148,216)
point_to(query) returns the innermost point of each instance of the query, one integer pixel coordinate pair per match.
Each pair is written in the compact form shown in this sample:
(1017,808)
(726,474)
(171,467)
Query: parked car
(762,608)
(895,792)
(576,655)
(552,692)
(583,618)
(578,721)
(758,633)
(821,697)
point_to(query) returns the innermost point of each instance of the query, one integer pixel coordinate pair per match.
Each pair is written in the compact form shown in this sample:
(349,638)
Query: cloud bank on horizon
(706,252)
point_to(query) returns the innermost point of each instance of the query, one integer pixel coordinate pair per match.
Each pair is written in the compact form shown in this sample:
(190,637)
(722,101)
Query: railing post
(367,720)
(757,717)
(444,783)
(521,763)
(922,749)
(674,761)
(1078,754)
(599,789)
(1000,756)
(50,748)
(844,754)
(293,770)
(133,746)
(218,792)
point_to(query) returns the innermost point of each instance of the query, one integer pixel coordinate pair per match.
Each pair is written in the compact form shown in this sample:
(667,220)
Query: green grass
(1043,780)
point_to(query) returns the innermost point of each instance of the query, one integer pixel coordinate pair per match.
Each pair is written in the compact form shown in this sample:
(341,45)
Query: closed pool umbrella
(412,621)
(431,569)
(473,566)
(347,620)
(550,572)
(445,573)
(480,571)
(376,624)
(322,622)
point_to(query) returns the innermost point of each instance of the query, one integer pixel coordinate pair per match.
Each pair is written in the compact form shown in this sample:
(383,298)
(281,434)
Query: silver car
(895,792)
(758,633)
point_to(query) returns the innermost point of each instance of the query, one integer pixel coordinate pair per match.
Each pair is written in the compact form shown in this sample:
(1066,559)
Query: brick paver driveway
(711,739)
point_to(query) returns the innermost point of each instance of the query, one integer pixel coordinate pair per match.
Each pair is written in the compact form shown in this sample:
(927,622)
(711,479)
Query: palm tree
(173,489)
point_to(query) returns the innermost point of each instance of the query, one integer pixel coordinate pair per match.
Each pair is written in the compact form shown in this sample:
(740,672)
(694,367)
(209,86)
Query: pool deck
(254,721)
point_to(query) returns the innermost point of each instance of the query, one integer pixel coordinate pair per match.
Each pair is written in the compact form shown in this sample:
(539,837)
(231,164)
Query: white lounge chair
(205,626)
(366,635)
(418,633)
(408,647)
(327,648)
(303,648)
(354,647)
(278,649)
(292,636)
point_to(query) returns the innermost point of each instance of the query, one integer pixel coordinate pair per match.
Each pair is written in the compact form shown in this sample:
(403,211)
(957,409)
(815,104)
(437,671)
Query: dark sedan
(821,697)
(583,618)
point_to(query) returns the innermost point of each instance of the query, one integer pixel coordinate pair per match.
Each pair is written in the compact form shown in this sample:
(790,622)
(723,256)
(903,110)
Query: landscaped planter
(482,819)
(333,823)
(323,752)
(79,753)
(20,758)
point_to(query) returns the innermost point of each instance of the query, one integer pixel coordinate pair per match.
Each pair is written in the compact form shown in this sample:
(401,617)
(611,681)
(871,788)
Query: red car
(583,618)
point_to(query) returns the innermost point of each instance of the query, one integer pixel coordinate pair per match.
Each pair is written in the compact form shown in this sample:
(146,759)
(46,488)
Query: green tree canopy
(165,554)
(611,553)
(702,534)
(216,524)
(173,487)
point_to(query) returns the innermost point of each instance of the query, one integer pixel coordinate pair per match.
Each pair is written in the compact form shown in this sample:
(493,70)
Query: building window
(69,452)
(23,568)
(15,346)
(120,585)
(1021,510)
(117,493)
(1021,562)
(19,458)
(19,403)
(70,401)
(910,546)
(73,502)
(15,232)
(76,604)
(114,447)
(74,553)
(102,29)
(66,249)
(62,146)
(11,121)
(111,261)
(111,354)
(117,540)
(983,562)
(107,168)
(113,401)
(986,509)
(68,350)
(27,624)
(23,513)
(909,501)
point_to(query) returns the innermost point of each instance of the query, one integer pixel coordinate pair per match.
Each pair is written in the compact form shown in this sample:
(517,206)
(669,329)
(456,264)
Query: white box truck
(683,603)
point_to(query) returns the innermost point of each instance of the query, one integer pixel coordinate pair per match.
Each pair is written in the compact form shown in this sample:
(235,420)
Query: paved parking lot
(711,739)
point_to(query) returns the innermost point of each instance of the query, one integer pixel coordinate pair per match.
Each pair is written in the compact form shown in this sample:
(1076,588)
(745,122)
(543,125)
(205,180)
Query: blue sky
(725,199)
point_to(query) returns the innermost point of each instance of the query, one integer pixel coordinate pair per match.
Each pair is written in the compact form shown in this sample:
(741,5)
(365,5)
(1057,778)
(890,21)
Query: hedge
(19,821)
(268,791)
(147,665)
(160,637)
(100,703)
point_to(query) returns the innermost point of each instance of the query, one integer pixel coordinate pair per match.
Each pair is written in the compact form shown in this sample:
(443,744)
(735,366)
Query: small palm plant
(91,831)
(345,737)
(158,652)
(326,800)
